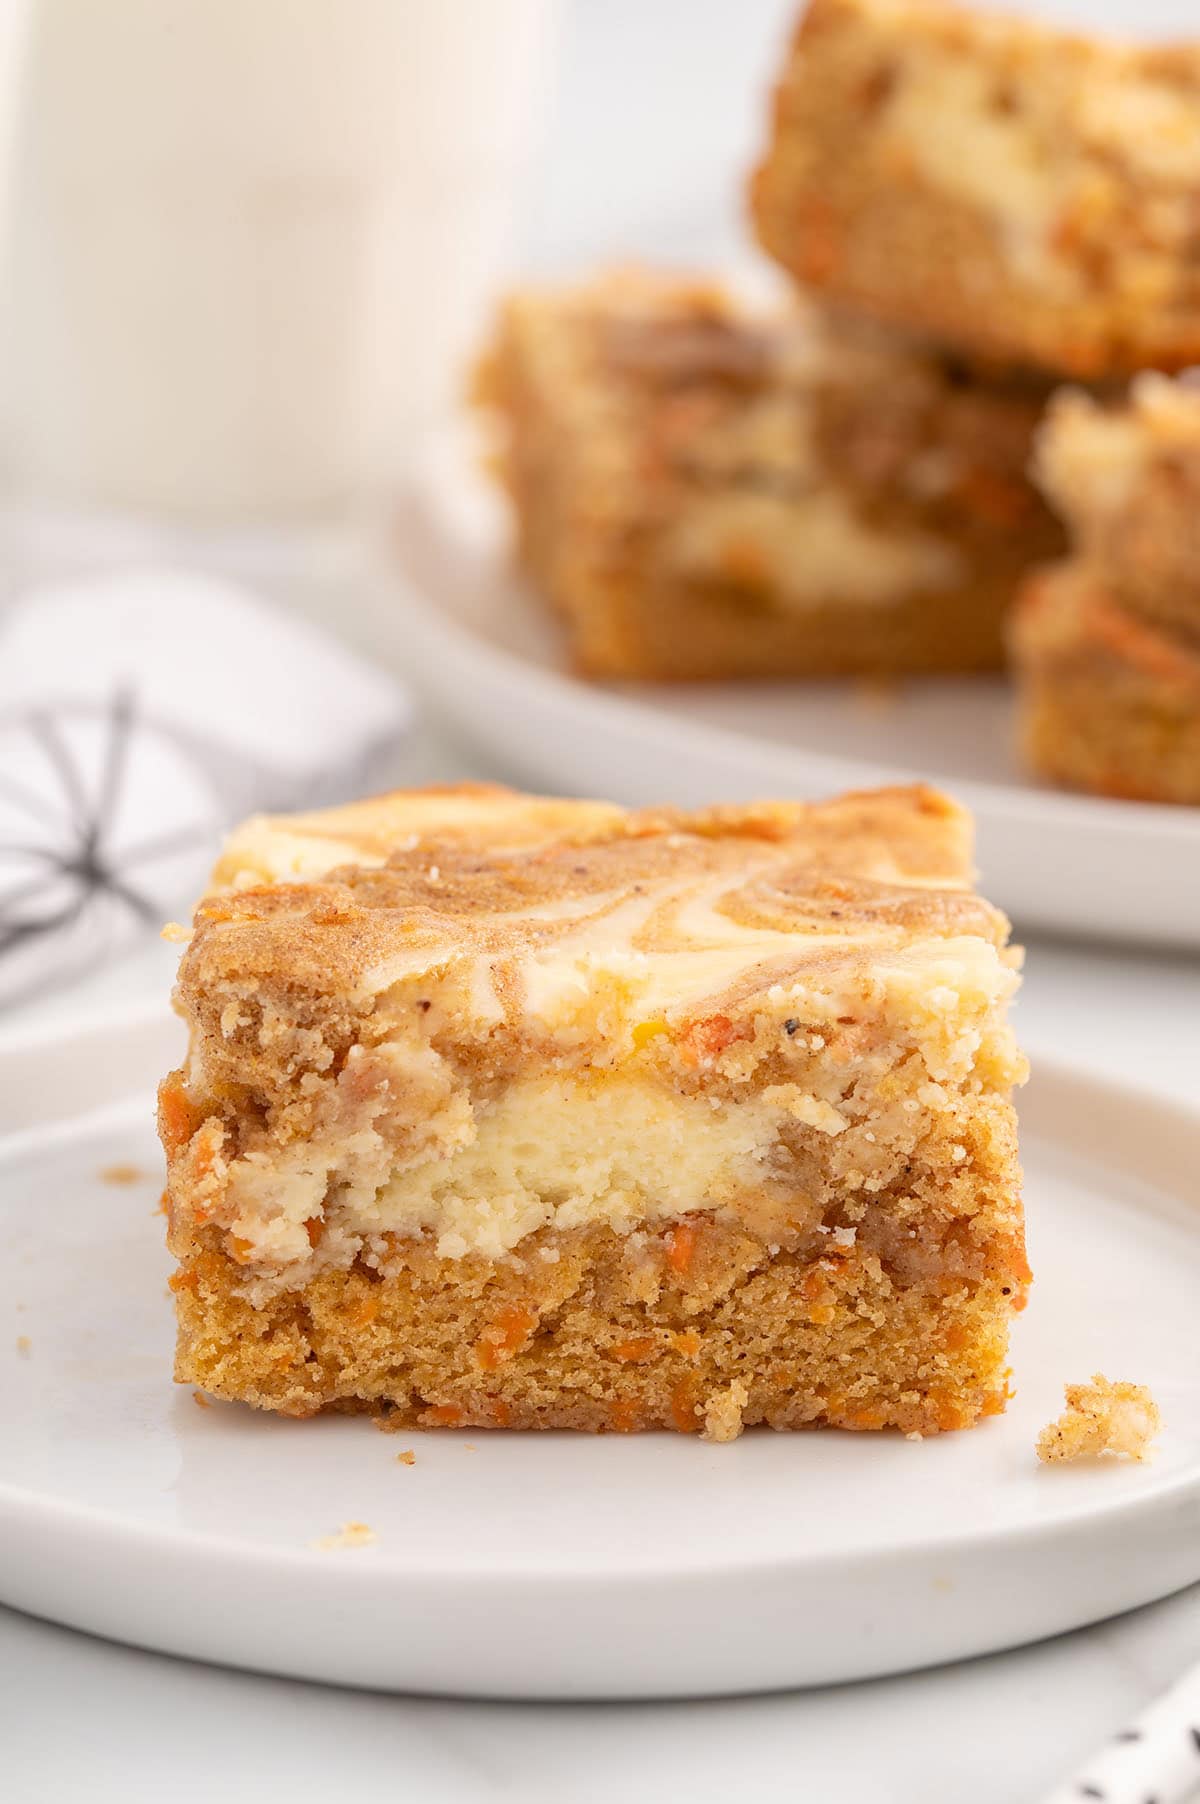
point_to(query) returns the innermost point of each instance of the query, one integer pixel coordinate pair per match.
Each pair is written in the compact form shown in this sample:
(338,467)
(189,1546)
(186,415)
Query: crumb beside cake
(1018,191)
(513,1113)
(706,488)
(1125,477)
(1105,1416)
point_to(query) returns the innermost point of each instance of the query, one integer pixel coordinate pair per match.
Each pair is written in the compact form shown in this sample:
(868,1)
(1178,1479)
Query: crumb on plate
(1105,1416)
(351,1534)
(407,1458)
(122,1173)
(24,1345)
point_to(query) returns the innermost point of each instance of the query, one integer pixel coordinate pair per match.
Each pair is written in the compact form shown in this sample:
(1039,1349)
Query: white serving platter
(470,632)
(553,1566)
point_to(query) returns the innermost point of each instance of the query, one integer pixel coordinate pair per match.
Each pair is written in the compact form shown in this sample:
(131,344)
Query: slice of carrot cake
(705,487)
(1014,190)
(519,1113)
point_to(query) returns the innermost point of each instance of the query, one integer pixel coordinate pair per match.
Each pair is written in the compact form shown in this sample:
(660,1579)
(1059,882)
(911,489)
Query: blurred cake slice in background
(1106,701)
(1012,190)
(1106,645)
(704,488)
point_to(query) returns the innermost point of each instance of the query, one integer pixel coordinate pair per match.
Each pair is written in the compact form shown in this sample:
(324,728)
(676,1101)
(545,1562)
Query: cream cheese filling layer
(553,1150)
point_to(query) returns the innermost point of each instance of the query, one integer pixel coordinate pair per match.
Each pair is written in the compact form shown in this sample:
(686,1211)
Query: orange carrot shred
(681,1247)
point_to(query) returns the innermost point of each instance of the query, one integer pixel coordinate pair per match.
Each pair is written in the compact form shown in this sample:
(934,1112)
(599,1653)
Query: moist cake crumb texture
(506,1112)
(1100,1418)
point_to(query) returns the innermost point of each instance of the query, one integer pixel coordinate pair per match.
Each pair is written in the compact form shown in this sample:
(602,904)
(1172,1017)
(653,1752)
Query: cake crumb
(351,1534)
(24,1346)
(200,1400)
(469,1447)
(122,1174)
(407,1458)
(723,1412)
(1105,1416)
(175,934)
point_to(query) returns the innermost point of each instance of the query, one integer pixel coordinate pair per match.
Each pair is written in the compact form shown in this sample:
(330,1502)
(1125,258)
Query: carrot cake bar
(528,1114)
(705,488)
(1126,480)
(1014,190)
(1107,700)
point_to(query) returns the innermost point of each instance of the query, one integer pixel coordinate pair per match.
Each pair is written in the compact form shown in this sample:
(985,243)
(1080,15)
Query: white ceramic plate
(492,659)
(560,1566)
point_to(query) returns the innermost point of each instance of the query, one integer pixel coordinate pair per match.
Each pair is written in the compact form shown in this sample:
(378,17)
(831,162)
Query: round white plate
(487,651)
(557,1566)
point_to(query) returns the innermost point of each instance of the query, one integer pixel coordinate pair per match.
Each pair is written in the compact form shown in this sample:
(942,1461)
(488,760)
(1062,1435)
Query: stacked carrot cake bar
(705,488)
(516,1113)
(1106,645)
(1019,192)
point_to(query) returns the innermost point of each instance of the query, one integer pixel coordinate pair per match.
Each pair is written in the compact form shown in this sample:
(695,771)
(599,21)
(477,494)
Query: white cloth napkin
(140,714)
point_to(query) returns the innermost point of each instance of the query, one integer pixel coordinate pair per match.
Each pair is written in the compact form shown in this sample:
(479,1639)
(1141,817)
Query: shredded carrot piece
(241,1249)
(864,1418)
(631,1350)
(177,1118)
(505,1336)
(681,1247)
(501,1414)
(624,1416)
(707,1039)
(314,1227)
(365,1311)
(688,1343)
(444,1415)
(683,1406)
(948,1414)
(187,1279)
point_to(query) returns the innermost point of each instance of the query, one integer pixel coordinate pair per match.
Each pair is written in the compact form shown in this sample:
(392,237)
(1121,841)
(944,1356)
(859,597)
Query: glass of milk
(254,242)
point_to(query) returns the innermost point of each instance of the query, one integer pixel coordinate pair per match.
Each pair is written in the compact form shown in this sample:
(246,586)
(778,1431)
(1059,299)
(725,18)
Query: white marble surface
(653,124)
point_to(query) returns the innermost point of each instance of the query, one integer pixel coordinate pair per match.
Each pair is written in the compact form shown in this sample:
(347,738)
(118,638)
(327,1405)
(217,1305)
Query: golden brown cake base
(1106,702)
(604,1339)
(1018,192)
(706,491)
